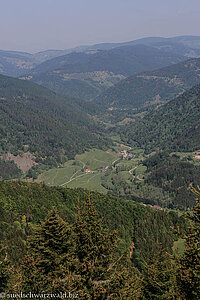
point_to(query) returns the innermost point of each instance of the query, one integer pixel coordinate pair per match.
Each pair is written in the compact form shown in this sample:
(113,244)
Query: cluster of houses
(156,207)
(88,171)
(103,170)
(126,155)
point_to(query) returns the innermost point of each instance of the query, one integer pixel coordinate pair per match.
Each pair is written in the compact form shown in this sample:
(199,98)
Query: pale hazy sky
(34,25)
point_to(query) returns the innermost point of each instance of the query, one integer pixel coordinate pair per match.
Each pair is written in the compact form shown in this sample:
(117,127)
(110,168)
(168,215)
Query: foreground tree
(103,273)
(81,259)
(159,276)
(188,265)
(47,264)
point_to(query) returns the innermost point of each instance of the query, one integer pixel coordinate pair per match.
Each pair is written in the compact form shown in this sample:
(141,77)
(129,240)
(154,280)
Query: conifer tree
(47,264)
(82,259)
(158,276)
(188,265)
(95,248)
(103,274)
(126,280)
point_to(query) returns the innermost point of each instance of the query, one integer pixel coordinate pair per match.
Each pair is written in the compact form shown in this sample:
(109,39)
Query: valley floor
(87,169)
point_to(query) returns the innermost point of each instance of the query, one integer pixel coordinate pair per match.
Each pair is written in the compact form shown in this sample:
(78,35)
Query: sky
(36,25)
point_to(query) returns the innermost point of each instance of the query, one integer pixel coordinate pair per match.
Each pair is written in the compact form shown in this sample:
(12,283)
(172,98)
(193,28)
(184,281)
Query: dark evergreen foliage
(174,176)
(50,126)
(159,276)
(188,265)
(26,204)
(174,126)
(8,170)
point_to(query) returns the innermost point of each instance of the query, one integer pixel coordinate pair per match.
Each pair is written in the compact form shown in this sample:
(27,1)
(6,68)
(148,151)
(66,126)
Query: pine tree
(103,273)
(126,280)
(158,276)
(48,262)
(81,258)
(188,265)
(95,248)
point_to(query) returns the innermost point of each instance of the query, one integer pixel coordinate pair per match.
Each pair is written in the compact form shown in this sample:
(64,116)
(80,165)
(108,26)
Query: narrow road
(139,178)
(72,177)
(130,172)
(75,178)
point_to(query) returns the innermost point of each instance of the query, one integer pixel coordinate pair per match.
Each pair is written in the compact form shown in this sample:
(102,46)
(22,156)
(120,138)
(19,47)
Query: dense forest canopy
(152,87)
(50,126)
(174,126)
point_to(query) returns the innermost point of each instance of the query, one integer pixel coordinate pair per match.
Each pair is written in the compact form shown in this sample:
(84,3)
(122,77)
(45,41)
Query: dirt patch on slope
(24,161)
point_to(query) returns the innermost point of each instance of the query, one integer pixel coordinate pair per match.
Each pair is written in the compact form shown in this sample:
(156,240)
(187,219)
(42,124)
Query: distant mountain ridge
(16,63)
(152,87)
(87,74)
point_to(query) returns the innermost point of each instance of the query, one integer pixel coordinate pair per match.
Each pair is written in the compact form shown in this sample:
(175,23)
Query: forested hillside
(15,63)
(87,74)
(26,204)
(174,177)
(49,126)
(174,126)
(152,87)
(74,247)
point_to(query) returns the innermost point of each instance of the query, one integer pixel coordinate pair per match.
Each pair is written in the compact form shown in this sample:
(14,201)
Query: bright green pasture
(179,247)
(59,176)
(140,170)
(96,159)
(92,181)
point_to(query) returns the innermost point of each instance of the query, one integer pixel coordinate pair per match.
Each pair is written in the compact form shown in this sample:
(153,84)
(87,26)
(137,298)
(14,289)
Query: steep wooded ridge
(87,74)
(173,176)
(26,204)
(174,126)
(152,87)
(36,120)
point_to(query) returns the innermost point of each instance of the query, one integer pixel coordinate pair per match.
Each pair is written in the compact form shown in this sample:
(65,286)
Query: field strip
(115,161)
(75,178)
(77,170)
(92,177)
(54,177)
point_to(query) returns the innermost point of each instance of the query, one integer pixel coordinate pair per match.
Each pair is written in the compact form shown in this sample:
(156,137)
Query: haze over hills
(16,63)
(185,45)
(85,75)
(152,87)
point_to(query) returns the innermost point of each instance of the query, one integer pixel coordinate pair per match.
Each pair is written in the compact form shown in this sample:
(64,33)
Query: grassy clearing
(60,175)
(140,170)
(92,181)
(96,159)
(73,173)
(179,247)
